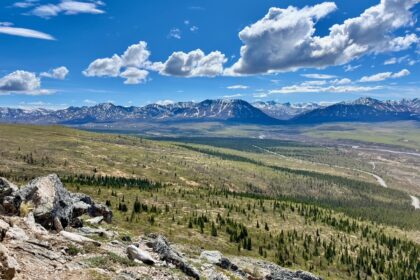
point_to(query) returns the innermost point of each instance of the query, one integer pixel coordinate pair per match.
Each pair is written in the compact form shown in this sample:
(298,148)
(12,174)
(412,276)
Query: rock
(78,238)
(16,233)
(80,208)
(212,257)
(6,188)
(4,227)
(33,226)
(50,202)
(161,246)
(77,222)
(8,203)
(101,210)
(215,257)
(96,220)
(11,204)
(135,253)
(57,224)
(8,265)
(212,274)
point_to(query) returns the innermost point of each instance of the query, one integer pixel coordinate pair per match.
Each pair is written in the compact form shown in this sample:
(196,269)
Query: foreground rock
(161,246)
(135,253)
(51,204)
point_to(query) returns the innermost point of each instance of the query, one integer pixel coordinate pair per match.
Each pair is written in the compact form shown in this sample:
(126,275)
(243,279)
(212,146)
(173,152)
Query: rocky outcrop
(162,247)
(52,205)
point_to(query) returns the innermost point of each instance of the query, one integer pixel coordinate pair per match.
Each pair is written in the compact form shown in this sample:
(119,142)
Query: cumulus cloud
(132,65)
(9,29)
(285,39)
(134,76)
(384,76)
(238,87)
(59,73)
(194,64)
(67,7)
(105,67)
(20,81)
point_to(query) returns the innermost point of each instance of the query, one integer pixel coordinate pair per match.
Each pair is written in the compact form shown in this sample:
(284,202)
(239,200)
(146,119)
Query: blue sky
(59,53)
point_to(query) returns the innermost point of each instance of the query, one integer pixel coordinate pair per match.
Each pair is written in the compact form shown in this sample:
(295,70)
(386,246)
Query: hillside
(297,214)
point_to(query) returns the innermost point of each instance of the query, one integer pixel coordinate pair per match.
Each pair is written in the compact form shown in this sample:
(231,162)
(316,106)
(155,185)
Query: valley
(313,206)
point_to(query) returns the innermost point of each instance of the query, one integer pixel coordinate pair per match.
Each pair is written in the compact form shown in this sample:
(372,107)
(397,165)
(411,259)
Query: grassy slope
(192,171)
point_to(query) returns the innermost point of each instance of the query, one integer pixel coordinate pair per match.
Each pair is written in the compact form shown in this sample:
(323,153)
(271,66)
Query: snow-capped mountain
(363,109)
(285,111)
(207,110)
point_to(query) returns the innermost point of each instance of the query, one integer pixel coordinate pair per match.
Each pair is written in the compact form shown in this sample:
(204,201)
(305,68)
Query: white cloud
(318,76)
(22,82)
(136,55)
(395,60)
(175,33)
(392,60)
(25,4)
(400,74)
(194,28)
(68,7)
(194,64)
(24,32)
(285,39)
(233,96)
(320,89)
(6,23)
(314,83)
(384,76)
(134,76)
(132,65)
(350,68)
(238,87)
(343,81)
(105,67)
(59,73)
(164,102)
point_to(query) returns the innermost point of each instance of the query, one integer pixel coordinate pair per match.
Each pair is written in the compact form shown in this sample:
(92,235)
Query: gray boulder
(53,206)
(135,253)
(161,246)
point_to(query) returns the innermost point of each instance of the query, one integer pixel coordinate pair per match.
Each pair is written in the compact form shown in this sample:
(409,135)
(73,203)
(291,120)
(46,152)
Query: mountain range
(239,111)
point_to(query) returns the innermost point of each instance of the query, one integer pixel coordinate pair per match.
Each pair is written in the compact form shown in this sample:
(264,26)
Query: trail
(378,179)
(415,202)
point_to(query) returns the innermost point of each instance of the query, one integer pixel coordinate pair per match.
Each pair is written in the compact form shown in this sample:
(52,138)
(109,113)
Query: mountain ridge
(225,110)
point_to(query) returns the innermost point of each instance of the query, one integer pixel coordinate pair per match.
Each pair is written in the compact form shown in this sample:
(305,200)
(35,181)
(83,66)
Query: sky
(60,53)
